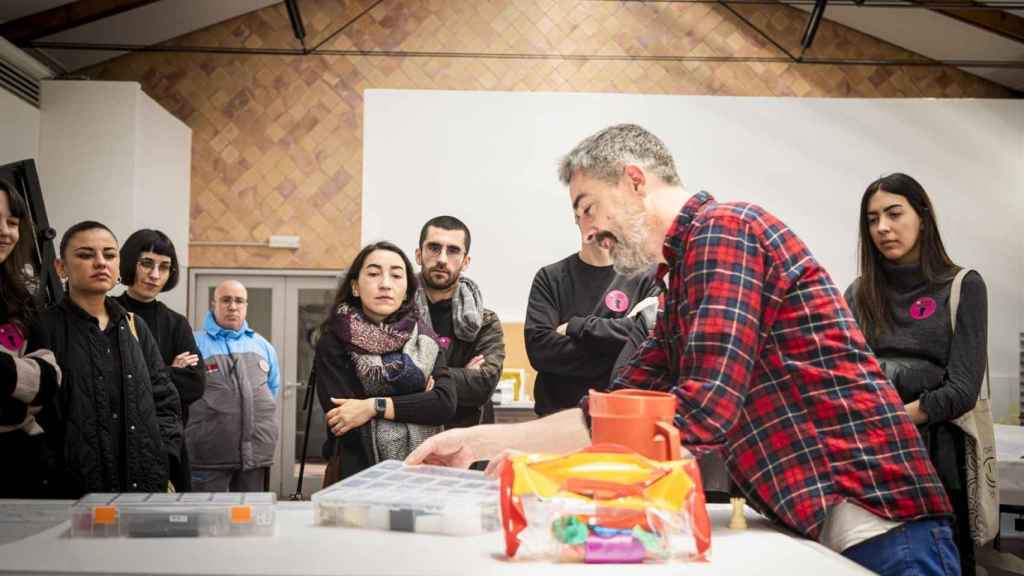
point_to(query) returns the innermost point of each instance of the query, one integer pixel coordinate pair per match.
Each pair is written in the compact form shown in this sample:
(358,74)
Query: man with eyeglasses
(580,315)
(232,429)
(470,335)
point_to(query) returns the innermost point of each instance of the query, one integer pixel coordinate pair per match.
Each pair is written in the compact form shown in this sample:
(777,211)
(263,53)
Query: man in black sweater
(470,335)
(580,314)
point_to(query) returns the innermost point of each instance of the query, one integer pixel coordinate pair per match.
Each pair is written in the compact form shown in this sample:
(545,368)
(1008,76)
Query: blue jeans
(920,548)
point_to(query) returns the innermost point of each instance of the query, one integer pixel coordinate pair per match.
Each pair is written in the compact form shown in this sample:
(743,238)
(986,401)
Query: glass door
(307,302)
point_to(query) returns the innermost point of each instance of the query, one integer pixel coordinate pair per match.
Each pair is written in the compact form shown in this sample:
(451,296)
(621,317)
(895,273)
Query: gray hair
(604,155)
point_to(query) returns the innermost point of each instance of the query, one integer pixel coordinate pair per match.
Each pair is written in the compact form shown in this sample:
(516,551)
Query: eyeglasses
(228,301)
(148,264)
(453,252)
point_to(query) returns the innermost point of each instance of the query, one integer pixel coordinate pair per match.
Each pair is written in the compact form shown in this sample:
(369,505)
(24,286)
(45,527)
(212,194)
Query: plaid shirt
(771,364)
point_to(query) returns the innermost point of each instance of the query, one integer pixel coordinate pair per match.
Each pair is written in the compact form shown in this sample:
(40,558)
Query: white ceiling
(147,25)
(937,37)
(928,33)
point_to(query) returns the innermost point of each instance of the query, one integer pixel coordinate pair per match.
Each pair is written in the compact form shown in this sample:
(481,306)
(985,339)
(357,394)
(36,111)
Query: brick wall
(277,139)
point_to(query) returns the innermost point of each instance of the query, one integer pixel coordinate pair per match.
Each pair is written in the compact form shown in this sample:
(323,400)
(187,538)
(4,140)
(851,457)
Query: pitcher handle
(670,434)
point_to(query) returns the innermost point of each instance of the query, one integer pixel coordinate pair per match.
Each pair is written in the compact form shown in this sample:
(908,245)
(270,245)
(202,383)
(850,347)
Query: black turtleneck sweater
(173,336)
(922,329)
(441,318)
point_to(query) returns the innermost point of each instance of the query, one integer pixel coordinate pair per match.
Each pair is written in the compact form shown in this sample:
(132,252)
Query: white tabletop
(35,539)
(301,548)
(22,518)
(1010,457)
(1009,442)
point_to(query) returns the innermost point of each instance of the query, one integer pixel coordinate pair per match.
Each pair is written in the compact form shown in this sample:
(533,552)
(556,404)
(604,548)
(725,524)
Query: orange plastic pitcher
(640,420)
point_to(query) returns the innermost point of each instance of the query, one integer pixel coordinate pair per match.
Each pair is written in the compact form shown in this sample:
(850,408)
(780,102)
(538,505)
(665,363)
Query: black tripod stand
(307,407)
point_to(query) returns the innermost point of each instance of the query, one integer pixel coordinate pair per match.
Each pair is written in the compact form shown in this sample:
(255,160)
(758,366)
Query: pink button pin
(923,308)
(11,337)
(616,301)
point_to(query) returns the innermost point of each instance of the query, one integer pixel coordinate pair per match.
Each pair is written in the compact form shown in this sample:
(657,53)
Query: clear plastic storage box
(429,499)
(191,514)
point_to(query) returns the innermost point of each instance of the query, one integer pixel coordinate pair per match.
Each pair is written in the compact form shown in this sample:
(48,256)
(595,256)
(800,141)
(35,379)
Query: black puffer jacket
(82,415)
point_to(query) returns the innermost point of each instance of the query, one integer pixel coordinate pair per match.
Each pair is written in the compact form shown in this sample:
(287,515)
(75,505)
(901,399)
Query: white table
(300,548)
(22,518)
(1010,458)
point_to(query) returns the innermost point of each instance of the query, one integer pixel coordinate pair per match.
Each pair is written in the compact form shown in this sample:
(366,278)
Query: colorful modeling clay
(569,530)
(620,549)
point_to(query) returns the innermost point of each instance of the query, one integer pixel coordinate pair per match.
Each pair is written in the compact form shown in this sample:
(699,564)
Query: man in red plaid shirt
(767,362)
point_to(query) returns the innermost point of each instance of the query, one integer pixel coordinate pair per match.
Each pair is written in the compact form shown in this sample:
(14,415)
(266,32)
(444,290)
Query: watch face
(381,406)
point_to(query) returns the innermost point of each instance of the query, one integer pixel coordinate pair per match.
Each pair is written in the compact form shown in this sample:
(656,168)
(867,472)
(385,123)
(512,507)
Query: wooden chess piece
(739,519)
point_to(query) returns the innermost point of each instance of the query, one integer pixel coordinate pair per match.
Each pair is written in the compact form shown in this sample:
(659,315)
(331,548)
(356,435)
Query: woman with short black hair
(149,266)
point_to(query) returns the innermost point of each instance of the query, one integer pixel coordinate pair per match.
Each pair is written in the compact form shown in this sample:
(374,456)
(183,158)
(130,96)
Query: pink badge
(923,308)
(11,337)
(444,341)
(616,301)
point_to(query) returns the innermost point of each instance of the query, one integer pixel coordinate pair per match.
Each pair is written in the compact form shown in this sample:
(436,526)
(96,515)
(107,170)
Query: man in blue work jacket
(232,430)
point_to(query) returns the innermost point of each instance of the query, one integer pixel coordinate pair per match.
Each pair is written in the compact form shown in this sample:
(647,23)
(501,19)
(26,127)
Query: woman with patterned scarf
(380,379)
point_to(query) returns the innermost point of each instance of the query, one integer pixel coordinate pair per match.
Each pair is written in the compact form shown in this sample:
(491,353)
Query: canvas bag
(980,445)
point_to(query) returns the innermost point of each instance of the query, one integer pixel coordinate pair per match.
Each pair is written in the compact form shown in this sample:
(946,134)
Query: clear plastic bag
(605,504)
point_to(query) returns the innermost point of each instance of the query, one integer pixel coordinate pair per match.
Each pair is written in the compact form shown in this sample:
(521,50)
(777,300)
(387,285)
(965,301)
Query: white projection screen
(490,159)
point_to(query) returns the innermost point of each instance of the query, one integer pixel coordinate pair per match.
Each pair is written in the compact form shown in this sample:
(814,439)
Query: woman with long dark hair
(28,381)
(381,380)
(149,266)
(118,411)
(901,301)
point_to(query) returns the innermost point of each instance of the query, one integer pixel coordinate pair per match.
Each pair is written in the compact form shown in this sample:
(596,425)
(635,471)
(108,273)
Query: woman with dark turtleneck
(149,266)
(901,302)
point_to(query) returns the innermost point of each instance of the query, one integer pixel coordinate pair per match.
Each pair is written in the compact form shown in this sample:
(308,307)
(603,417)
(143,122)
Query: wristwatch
(380,406)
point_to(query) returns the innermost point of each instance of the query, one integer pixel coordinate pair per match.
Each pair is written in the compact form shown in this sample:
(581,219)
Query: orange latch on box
(104,515)
(241,514)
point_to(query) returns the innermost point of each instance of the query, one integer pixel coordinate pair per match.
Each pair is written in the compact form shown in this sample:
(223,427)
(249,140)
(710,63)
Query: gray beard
(629,260)
(628,255)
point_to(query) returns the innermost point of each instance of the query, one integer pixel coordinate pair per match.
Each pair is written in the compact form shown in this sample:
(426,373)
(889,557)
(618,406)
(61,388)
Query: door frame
(295,386)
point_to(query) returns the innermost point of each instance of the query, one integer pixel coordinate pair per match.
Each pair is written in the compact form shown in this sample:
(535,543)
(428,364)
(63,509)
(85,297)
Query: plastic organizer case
(192,514)
(428,499)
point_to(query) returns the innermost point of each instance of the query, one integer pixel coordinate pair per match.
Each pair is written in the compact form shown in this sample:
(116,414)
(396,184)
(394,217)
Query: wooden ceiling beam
(999,22)
(66,17)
